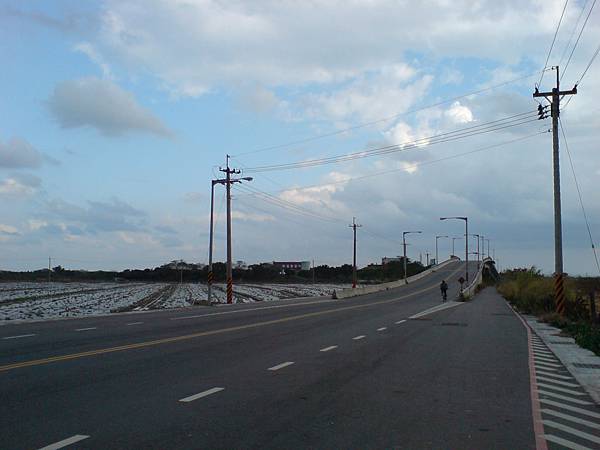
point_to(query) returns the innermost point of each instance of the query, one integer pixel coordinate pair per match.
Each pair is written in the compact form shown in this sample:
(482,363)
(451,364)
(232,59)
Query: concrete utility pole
(210,277)
(228,182)
(466,219)
(49,269)
(313,271)
(554,99)
(404,233)
(437,261)
(354,226)
(427,257)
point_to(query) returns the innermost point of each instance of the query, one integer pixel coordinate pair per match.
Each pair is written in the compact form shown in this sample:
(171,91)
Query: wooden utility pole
(554,98)
(354,226)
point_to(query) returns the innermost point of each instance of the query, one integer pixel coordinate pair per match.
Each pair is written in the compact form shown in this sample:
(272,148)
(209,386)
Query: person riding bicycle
(444,289)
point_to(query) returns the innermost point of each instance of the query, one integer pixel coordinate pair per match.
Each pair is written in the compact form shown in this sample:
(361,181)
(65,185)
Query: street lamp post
(437,261)
(404,233)
(454,239)
(488,247)
(211,233)
(466,219)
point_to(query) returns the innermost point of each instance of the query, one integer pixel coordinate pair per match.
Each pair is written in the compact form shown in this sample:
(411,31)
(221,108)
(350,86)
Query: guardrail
(347,293)
(470,290)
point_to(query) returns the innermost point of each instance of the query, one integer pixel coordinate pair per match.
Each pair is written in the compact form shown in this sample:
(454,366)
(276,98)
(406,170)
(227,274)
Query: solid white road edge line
(19,336)
(211,391)
(281,366)
(357,338)
(436,309)
(65,442)
(326,349)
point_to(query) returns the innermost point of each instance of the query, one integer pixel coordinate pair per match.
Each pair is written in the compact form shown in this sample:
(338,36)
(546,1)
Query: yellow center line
(185,337)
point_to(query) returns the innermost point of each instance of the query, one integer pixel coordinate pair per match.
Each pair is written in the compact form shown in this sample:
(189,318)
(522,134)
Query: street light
(454,239)
(488,247)
(404,233)
(210,245)
(437,261)
(466,219)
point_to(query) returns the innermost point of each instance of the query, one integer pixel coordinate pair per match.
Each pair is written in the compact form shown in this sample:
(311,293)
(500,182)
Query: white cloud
(20,185)
(8,229)
(459,114)
(102,105)
(88,49)
(17,153)
(196,46)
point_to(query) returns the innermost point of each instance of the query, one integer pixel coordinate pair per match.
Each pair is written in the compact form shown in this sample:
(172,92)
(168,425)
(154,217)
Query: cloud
(20,185)
(459,114)
(196,47)
(114,215)
(8,229)
(101,104)
(88,49)
(17,153)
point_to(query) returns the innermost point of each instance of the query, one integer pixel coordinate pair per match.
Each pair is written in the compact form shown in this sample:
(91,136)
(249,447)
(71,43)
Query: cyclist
(444,289)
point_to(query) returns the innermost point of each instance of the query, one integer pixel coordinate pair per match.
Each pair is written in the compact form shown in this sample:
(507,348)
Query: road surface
(378,371)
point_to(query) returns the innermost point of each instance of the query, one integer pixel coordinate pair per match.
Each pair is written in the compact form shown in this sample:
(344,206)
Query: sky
(116,115)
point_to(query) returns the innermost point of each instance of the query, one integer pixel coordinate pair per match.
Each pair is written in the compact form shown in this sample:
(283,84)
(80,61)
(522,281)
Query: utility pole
(313,271)
(404,233)
(437,261)
(427,257)
(554,99)
(354,226)
(49,269)
(228,182)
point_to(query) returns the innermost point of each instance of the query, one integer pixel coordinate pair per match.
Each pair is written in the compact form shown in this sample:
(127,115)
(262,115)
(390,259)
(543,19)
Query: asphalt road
(368,372)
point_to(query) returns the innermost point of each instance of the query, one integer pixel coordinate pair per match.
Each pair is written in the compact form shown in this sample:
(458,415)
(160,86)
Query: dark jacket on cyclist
(444,286)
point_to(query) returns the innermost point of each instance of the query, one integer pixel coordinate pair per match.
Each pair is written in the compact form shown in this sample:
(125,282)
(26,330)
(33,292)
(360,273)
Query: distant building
(292,265)
(386,260)
(240,265)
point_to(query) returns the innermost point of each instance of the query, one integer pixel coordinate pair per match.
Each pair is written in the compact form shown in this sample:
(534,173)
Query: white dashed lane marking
(382,329)
(135,323)
(281,366)
(358,338)
(19,336)
(86,329)
(326,349)
(65,442)
(400,321)
(206,393)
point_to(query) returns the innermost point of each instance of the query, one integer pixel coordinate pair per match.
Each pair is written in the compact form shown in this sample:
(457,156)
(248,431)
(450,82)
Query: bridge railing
(354,292)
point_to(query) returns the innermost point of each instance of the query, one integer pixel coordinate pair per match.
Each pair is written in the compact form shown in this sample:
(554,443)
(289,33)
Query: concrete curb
(347,293)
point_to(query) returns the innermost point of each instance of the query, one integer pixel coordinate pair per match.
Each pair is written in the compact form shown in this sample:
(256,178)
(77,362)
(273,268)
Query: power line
(583,74)
(488,127)
(553,40)
(424,163)
(577,41)
(386,119)
(587,223)
(568,44)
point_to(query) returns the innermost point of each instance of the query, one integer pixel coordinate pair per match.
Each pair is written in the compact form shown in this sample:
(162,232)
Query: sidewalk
(583,364)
